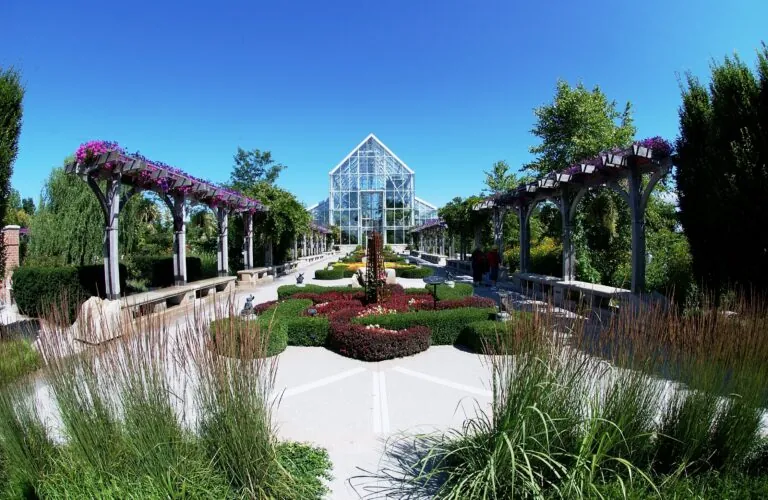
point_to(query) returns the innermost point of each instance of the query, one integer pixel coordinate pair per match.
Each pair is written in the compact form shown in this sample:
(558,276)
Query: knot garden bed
(404,323)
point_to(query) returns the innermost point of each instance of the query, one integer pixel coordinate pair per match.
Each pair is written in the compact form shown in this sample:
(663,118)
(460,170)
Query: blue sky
(448,86)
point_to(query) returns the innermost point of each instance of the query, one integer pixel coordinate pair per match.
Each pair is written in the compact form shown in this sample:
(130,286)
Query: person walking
(478,266)
(493,265)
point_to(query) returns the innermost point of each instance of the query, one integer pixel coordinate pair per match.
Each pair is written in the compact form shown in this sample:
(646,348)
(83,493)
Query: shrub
(446,326)
(329,306)
(319,298)
(497,337)
(308,466)
(376,344)
(336,273)
(92,279)
(306,330)
(162,271)
(444,292)
(547,258)
(39,291)
(286,291)
(414,272)
(481,302)
(17,358)
(244,338)
(289,308)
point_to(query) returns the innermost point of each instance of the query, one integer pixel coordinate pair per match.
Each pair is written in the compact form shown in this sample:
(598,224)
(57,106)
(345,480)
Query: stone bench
(433,258)
(254,275)
(461,266)
(283,269)
(158,300)
(570,293)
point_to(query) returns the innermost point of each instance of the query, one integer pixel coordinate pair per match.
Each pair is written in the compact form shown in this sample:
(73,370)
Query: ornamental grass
(156,413)
(650,403)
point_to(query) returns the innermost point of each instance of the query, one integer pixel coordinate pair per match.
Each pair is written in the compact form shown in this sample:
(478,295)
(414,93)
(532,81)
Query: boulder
(98,321)
(391,277)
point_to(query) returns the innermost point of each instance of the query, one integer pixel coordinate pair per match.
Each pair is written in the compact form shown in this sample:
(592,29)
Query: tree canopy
(722,172)
(254,174)
(576,125)
(11,110)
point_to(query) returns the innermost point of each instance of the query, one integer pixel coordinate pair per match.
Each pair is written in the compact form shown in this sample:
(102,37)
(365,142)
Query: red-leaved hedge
(319,298)
(376,344)
(327,308)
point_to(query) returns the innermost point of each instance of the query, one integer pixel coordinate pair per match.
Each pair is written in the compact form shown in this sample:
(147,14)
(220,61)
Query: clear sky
(448,86)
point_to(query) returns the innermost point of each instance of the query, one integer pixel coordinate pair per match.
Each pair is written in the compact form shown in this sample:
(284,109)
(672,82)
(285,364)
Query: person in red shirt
(493,264)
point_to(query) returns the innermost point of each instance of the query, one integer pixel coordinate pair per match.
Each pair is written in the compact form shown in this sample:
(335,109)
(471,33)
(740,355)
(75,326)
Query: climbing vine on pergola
(642,166)
(104,163)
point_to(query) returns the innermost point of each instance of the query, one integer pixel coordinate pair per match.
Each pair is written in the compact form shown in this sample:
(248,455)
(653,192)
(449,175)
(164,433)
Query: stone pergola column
(498,232)
(567,202)
(177,204)
(304,245)
(268,257)
(442,242)
(110,202)
(294,249)
(524,212)
(637,198)
(248,239)
(222,220)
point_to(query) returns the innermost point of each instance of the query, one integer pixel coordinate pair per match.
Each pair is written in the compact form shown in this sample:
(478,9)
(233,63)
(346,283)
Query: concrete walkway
(352,407)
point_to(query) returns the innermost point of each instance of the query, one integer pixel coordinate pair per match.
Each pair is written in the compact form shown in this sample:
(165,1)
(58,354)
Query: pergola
(430,236)
(314,241)
(101,162)
(622,170)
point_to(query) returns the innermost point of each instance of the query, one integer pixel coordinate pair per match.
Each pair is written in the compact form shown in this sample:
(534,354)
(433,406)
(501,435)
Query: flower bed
(404,324)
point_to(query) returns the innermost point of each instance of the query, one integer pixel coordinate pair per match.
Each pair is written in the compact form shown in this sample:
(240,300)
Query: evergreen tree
(722,173)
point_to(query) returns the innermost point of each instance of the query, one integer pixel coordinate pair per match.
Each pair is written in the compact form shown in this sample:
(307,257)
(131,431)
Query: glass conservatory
(372,190)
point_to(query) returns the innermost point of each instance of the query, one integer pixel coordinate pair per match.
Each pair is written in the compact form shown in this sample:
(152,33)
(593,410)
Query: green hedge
(162,271)
(286,291)
(336,273)
(239,327)
(307,331)
(447,325)
(158,271)
(38,290)
(496,337)
(92,279)
(290,308)
(414,272)
(300,330)
(444,292)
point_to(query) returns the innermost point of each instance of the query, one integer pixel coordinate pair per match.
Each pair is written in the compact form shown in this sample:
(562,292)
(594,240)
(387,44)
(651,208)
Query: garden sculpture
(248,307)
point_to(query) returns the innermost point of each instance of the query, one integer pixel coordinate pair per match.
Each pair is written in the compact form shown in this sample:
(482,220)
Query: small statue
(248,307)
(300,279)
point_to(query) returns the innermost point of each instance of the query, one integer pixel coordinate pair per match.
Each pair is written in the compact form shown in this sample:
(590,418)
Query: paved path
(352,407)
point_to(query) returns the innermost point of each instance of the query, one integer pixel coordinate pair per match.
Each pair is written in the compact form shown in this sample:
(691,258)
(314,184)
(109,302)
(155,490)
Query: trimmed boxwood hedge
(496,337)
(162,271)
(39,290)
(307,331)
(415,272)
(289,308)
(336,273)
(239,327)
(300,330)
(447,326)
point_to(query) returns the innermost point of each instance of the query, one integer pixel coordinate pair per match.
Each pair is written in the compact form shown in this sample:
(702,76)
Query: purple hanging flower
(660,146)
(89,151)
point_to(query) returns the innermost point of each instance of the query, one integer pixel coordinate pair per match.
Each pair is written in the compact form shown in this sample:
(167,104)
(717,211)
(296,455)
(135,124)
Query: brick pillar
(11,246)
